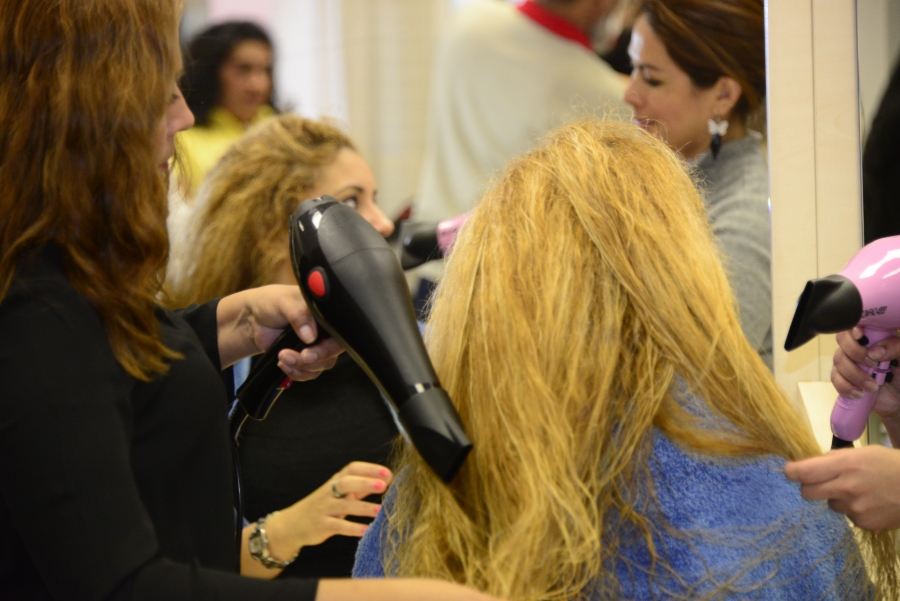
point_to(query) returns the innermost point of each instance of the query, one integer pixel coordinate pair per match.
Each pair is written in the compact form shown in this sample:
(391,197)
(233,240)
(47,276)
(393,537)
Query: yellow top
(201,147)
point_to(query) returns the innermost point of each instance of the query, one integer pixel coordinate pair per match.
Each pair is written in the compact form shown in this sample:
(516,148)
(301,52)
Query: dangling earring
(717,129)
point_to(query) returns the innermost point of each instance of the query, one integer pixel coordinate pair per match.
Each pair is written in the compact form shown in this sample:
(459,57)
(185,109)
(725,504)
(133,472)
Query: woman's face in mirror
(665,100)
(349,179)
(246,79)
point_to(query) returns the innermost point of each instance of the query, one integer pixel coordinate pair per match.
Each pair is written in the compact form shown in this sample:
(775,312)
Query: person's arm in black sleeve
(66,480)
(202,319)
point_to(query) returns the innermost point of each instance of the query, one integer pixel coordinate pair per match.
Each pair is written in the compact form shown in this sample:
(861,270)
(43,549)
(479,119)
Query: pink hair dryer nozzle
(865,293)
(423,242)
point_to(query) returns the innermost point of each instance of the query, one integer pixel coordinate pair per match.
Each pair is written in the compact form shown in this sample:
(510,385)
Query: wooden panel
(814,163)
(838,189)
(792,169)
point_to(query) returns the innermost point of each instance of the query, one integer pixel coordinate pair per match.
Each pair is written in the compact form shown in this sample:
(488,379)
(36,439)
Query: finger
(852,347)
(345,528)
(353,506)
(359,486)
(312,357)
(368,470)
(293,306)
(886,350)
(309,362)
(840,506)
(321,351)
(307,331)
(821,491)
(846,388)
(816,469)
(306,372)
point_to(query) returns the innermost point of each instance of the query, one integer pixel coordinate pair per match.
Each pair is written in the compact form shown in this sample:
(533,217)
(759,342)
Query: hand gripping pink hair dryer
(865,293)
(423,242)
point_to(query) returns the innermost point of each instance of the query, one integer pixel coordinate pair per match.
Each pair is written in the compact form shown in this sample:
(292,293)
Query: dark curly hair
(203,58)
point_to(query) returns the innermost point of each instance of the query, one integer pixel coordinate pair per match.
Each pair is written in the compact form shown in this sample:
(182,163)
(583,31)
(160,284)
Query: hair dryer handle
(266,381)
(850,416)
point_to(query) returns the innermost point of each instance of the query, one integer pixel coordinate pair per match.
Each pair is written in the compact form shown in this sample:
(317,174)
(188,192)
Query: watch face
(255,544)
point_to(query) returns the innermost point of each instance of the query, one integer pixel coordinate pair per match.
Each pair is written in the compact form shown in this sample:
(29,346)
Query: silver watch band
(258,545)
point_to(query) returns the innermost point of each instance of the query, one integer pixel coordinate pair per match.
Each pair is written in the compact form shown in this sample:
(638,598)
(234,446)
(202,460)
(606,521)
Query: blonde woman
(237,238)
(628,441)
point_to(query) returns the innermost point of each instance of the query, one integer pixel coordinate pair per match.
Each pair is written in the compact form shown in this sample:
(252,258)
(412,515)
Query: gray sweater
(736,192)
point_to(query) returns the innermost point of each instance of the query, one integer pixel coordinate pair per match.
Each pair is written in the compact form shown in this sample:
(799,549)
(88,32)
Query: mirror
(878,38)
(878,53)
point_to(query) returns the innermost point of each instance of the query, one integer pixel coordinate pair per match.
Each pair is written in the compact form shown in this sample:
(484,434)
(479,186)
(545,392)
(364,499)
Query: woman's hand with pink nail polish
(321,514)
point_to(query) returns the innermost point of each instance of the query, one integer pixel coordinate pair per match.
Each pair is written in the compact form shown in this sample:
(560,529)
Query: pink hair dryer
(865,293)
(423,242)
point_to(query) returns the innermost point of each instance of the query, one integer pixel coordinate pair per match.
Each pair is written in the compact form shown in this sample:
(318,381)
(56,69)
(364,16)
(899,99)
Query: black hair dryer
(354,285)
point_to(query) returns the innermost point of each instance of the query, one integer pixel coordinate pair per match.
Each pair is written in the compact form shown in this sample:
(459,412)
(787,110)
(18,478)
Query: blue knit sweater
(738,521)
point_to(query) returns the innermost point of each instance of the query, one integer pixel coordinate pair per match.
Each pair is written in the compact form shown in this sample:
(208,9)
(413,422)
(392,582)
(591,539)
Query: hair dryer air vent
(828,305)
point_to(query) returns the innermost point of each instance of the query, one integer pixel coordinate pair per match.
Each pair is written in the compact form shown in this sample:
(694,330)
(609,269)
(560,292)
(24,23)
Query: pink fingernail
(379,485)
(384,472)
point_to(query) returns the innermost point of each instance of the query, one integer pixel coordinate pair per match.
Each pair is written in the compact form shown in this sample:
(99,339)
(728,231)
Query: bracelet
(258,545)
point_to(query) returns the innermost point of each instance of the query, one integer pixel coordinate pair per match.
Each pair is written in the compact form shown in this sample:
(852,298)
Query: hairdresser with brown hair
(699,82)
(116,475)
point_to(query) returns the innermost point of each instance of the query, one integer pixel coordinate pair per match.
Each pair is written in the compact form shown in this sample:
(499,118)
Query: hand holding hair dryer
(355,288)
(865,293)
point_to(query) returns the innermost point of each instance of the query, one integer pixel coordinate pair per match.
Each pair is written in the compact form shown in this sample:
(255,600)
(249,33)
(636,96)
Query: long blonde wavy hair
(583,287)
(239,223)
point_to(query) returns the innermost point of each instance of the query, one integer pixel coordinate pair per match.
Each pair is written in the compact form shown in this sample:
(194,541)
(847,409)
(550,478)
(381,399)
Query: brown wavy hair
(84,86)
(709,39)
(583,295)
(238,233)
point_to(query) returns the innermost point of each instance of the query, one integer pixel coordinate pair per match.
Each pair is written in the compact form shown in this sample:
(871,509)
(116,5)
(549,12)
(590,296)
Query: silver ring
(334,490)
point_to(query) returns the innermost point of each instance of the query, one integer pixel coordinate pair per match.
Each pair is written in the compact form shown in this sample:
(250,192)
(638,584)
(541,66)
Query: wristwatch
(259,546)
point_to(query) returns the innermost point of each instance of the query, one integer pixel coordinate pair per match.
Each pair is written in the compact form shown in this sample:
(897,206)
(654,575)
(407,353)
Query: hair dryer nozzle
(418,244)
(435,431)
(827,305)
